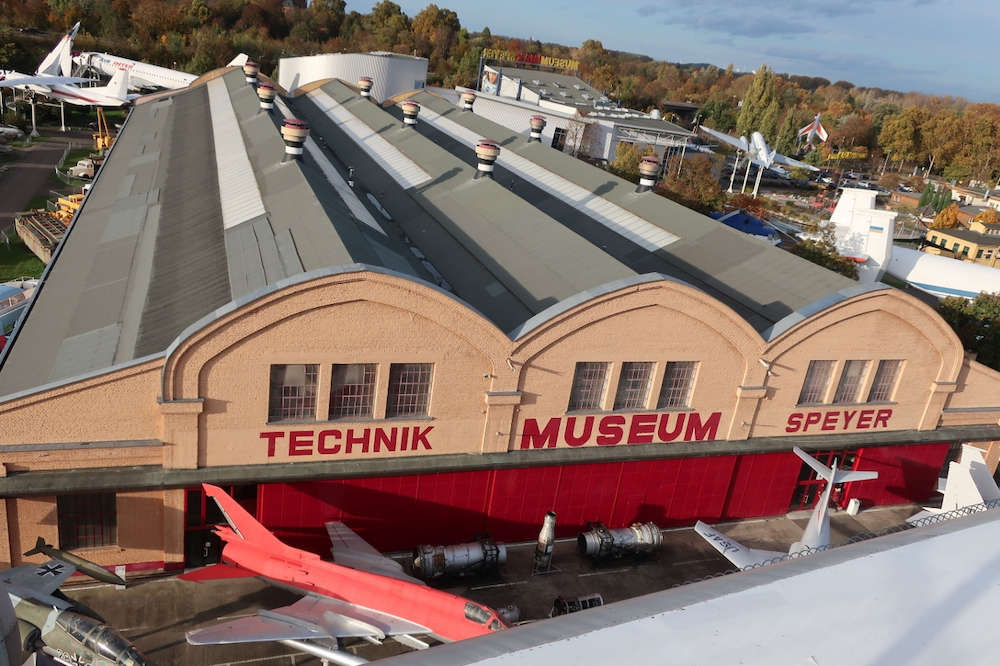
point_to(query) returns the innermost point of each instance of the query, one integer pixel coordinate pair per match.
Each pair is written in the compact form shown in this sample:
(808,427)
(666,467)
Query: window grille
(817,379)
(588,386)
(409,389)
(633,385)
(885,381)
(850,381)
(352,390)
(293,392)
(678,379)
(87,521)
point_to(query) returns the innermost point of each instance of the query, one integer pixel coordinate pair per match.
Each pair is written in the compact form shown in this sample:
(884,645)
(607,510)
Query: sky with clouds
(943,47)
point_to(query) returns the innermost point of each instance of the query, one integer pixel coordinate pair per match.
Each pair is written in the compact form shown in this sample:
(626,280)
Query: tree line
(946,135)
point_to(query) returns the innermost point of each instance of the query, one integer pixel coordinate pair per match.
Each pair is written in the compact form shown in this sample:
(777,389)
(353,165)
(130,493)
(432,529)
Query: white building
(579,117)
(391,73)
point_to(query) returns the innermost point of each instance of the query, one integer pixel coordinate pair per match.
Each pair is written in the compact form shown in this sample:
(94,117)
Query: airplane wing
(352,551)
(733,550)
(312,617)
(721,136)
(788,161)
(38,81)
(38,579)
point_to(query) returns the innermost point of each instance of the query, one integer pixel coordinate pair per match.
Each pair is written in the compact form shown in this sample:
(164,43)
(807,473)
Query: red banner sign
(847,419)
(615,429)
(334,441)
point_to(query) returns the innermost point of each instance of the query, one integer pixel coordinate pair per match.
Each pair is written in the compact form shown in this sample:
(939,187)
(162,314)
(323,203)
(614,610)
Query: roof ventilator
(487,152)
(294,132)
(468,99)
(410,112)
(649,166)
(250,71)
(266,93)
(537,124)
(365,84)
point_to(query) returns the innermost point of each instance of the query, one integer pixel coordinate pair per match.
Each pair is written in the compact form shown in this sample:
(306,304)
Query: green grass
(75,156)
(38,201)
(894,281)
(16,260)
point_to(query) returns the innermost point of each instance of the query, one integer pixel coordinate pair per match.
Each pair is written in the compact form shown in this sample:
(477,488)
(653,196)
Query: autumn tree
(901,135)
(696,187)
(626,161)
(946,219)
(987,216)
(756,206)
(941,136)
(435,35)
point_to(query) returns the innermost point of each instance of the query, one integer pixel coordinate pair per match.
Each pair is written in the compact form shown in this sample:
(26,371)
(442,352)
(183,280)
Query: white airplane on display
(115,93)
(969,483)
(143,75)
(757,152)
(813,130)
(54,69)
(817,532)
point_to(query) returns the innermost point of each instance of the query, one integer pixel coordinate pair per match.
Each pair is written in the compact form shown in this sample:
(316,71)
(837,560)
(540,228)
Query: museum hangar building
(429,335)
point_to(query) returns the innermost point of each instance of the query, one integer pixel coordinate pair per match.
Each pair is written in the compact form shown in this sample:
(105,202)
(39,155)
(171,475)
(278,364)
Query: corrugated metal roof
(403,170)
(239,194)
(613,216)
(333,176)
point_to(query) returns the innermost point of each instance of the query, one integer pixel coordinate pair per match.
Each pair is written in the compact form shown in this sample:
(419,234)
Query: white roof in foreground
(923,596)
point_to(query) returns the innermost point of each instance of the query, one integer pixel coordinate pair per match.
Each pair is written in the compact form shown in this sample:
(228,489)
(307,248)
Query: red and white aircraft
(52,79)
(813,130)
(363,594)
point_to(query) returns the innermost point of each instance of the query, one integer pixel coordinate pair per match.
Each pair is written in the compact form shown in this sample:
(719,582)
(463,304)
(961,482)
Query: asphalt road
(28,176)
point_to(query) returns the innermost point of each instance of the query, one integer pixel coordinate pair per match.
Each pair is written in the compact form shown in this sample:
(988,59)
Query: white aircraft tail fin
(59,61)
(833,475)
(733,550)
(239,60)
(118,85)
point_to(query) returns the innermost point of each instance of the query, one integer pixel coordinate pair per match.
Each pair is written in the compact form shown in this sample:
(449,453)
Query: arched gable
(210,337)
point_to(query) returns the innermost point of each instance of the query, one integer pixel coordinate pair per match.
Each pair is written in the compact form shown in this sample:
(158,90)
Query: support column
(5,545)
(940,391)
(62,116)
(748,399)
(498,430)
(34,129)
(179,432)
(173,527)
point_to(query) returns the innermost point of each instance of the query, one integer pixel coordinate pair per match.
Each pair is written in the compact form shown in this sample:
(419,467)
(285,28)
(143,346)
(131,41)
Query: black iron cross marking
(49,570)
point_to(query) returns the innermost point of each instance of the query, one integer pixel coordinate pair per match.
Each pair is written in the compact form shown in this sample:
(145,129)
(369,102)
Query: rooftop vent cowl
(468,99)
(294,132)
(537,124)
(410,112)
(649,167)
(487,152)
(365,84)
(250,71)
(266,93)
